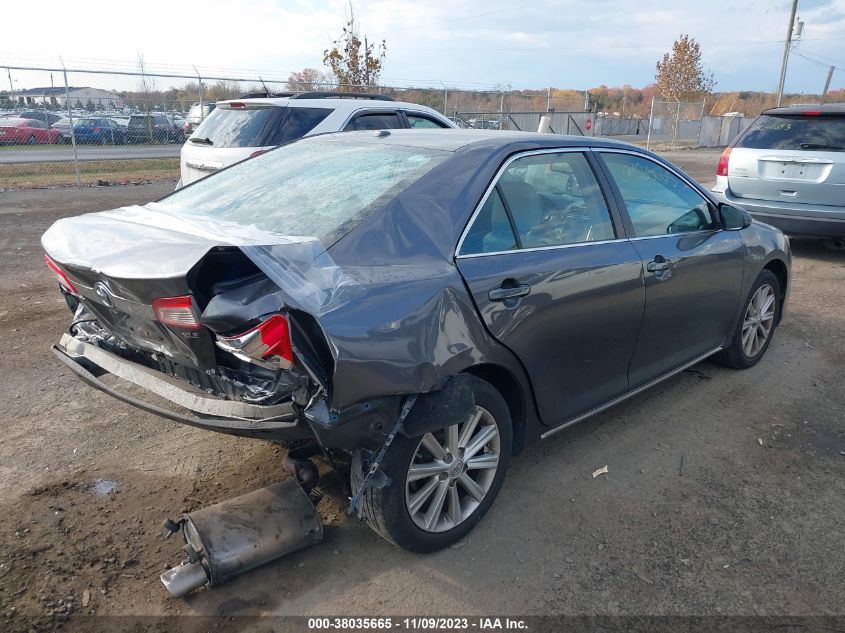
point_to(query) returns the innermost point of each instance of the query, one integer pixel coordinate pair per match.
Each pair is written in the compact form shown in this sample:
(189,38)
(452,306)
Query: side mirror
(733,218)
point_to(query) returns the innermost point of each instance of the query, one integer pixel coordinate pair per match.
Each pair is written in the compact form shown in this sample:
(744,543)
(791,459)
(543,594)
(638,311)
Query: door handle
(659,264)
(509,292)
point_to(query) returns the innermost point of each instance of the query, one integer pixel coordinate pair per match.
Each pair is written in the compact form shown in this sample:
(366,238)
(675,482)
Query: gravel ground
(724,493)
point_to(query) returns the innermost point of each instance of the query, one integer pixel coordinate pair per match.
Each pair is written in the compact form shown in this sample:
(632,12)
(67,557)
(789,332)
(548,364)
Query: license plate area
(794,170)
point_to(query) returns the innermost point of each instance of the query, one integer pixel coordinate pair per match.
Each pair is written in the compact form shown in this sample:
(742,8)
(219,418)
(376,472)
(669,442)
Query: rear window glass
(260,127)
(315,188)
(819,133)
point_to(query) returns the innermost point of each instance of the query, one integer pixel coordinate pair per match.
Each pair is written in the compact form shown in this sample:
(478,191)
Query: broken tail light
(176,312)
(724,159)
(267,344)
(64,282)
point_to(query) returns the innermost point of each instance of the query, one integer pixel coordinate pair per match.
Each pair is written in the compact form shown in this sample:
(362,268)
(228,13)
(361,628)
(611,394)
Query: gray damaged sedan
(425,303)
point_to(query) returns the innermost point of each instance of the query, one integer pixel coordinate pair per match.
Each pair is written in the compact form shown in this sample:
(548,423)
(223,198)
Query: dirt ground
(725,492)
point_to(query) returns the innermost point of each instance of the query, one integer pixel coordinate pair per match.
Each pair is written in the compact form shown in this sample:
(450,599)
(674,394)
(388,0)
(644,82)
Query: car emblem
(104,293)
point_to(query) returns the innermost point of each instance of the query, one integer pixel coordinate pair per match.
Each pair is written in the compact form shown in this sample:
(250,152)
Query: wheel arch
(509,388)
(778,268)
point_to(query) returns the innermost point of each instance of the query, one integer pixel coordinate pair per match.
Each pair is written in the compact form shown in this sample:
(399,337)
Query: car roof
(455,139)
(809,108)
(335,103)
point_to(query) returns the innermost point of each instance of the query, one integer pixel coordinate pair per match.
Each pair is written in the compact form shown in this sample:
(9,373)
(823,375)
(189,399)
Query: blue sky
(460,43)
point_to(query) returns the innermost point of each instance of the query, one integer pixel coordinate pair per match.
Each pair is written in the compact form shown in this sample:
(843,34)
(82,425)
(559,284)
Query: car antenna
(266,89)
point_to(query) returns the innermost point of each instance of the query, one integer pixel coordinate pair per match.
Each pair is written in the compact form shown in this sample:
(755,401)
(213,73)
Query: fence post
(650,120)
(502,110)
(677,118)
(199,89)
(72,133)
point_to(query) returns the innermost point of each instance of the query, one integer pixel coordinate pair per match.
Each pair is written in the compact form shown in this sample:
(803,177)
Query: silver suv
(788,170)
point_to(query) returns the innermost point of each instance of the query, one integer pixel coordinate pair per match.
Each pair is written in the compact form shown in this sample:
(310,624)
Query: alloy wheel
(452,471)
(759,320)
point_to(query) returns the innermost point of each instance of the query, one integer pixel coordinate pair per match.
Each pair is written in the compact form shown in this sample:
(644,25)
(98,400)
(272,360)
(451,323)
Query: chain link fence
(114,124)
(119,125)
(674,124)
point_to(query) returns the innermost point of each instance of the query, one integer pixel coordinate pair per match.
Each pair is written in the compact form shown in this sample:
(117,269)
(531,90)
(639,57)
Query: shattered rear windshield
(312,188)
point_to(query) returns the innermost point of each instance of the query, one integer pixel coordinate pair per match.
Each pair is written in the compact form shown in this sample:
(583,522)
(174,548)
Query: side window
(554,199)
(658,202)
(541,200)
(374,121)
(491,232)
(420,121)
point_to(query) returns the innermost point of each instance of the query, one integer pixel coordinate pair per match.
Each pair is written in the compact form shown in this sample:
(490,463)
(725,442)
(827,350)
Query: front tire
(443,483)
(757,326)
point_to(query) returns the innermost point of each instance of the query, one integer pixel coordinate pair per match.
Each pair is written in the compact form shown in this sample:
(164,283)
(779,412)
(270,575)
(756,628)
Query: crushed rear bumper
(89,363)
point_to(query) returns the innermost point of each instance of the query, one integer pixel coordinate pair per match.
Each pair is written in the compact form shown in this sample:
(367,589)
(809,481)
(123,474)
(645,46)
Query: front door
(693,269)
(553,282)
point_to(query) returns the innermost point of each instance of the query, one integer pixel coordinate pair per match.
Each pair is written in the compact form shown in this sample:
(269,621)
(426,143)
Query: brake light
(64,282)
(237,105)
(724,159)
(176,312)
(268,344)
(258,153)
(811,113)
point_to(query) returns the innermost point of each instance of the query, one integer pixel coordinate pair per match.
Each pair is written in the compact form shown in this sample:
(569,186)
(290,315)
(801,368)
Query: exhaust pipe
(232,537)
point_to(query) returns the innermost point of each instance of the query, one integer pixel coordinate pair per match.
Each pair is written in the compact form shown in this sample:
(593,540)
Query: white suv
(241,128)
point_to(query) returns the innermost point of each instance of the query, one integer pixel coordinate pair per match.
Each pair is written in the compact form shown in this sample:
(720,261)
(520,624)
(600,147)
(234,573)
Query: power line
(737,43)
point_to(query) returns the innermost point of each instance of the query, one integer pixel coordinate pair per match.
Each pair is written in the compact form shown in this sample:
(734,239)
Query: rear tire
(396,513)
(760,316)
(31,140)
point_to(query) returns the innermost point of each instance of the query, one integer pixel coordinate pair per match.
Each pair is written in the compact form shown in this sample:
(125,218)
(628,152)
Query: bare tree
(353,61)
(681,75)
(307,80)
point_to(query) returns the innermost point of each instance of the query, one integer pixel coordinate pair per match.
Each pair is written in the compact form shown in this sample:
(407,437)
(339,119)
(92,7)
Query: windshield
(796,132)
(314,188)
(87,122)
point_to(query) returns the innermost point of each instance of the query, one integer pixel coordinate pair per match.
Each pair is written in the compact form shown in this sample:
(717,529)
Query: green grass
(24,175)
(68,147)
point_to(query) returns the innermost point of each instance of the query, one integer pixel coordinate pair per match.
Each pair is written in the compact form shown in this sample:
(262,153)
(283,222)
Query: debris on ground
(601,471)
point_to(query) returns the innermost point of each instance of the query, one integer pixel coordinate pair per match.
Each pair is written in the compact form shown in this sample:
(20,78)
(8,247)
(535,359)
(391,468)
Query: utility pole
(786,46)
(549,99)
(827,82)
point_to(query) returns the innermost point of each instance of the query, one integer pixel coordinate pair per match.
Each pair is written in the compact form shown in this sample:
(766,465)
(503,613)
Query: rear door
(555,280)
(693,268)
(796,158)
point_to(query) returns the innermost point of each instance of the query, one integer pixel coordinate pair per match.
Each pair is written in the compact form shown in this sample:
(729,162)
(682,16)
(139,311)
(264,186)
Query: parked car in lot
(788,170)
(239,128)
(196,115)
(40,115)
(16,131)
(153,128)
(99,130)
(470,291)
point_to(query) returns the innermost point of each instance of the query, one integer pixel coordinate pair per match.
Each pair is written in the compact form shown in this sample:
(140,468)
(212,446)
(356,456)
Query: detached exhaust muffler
(229,538)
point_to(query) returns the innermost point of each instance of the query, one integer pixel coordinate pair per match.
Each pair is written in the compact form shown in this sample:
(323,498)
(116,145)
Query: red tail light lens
(258,153)
(64,282)
(176,312)
(237,105)
(724,159)
(268,344)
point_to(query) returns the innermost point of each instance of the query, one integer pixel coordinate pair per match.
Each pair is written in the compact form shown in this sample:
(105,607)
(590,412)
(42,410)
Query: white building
(56,97)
